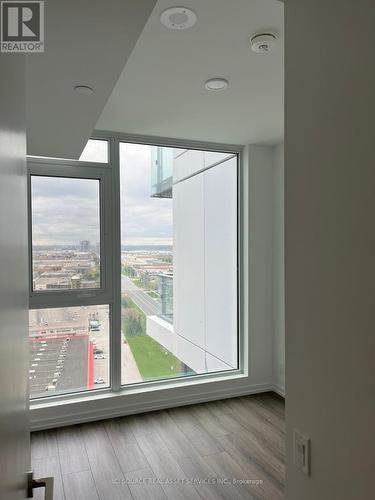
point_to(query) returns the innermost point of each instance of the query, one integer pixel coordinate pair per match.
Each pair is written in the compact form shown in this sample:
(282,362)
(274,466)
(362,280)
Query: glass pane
(179,262)
(69,349)
(65,233)
(96,150)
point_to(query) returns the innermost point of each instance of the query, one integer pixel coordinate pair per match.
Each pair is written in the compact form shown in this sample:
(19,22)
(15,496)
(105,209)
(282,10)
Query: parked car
(99,380)
(99,356)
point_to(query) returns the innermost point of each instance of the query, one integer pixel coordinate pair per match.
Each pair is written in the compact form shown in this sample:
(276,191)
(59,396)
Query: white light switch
(301,451)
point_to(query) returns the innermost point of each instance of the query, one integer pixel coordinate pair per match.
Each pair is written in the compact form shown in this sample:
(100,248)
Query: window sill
(139,398)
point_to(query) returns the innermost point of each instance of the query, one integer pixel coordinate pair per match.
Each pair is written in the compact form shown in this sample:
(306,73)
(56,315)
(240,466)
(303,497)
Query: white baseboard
(75,412)
(279,390)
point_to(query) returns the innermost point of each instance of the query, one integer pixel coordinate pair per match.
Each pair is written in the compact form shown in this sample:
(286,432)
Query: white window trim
(71,169)
(66,409)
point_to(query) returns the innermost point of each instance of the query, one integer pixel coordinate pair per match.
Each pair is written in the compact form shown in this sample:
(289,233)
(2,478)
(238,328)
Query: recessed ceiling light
(178,18)
(262,43)
(216,84)
(84,89)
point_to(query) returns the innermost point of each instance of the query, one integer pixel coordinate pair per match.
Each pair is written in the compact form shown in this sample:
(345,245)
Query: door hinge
(43,482)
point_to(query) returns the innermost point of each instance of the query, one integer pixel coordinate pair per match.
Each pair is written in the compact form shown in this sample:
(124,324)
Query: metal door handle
(43,482)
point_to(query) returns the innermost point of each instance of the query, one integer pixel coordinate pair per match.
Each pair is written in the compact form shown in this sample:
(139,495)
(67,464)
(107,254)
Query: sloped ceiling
(86,42)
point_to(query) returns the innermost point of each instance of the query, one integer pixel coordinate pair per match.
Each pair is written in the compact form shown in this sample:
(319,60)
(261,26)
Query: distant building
(84,245)
(76,281)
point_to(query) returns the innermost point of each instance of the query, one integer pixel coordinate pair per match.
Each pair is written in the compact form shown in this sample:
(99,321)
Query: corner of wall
(260,268)
(278,271)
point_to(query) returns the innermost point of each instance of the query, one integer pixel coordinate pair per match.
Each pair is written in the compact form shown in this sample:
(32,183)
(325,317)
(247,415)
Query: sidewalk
(129,370)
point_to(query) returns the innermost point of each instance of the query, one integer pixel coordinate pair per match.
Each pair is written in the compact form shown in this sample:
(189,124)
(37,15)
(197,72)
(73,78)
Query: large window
(70,283)
(133,267)
(178,262)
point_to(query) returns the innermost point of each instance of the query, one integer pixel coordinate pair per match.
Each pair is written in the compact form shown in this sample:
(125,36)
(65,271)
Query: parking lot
(59,349)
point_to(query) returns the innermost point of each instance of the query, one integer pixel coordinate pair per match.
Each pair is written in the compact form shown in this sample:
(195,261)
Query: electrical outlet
(301,451)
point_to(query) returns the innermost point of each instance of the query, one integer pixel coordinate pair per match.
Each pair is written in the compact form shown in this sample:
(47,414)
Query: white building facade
(204,331)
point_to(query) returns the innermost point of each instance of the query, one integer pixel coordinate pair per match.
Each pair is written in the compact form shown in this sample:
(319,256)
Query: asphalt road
(148,305)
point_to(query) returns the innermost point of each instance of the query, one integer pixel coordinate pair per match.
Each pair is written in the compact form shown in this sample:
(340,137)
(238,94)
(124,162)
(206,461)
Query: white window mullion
(116,274)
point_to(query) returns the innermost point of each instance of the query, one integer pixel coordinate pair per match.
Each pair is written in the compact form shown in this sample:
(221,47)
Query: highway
(148,305)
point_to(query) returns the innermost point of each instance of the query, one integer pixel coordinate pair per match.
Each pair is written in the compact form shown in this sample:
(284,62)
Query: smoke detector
(262,43)
(178,18)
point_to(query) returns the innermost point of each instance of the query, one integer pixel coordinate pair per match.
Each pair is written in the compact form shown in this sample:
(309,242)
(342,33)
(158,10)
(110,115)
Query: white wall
(330,245)
(278,271)
(261,234)
(14,359)
(266,234)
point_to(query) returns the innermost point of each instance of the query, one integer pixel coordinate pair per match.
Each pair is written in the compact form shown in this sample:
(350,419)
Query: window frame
(71,297)
(112,293)
(151,142)
(56,167)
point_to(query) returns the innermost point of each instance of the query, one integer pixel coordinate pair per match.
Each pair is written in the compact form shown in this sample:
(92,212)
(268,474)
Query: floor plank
(186,453)
(219,411)
(126,448)
(227,468)
(265,412)
(108,477)
(80,486)
(207,483)
(273,402)
(266,434)
(202,441)
(142,487)
(43,444)
(72,451)
(46,467)
(166,468)
(142,424)
(209,420)
(177,442)
(256,466)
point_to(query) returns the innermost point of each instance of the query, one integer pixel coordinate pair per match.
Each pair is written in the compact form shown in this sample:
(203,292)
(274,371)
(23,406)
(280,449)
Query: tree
(133,322)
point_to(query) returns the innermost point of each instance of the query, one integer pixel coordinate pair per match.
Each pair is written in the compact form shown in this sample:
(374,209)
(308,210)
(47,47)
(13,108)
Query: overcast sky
(144,220)
(66,211)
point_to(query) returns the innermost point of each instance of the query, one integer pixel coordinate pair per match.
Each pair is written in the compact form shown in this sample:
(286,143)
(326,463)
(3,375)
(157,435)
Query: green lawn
(151,358)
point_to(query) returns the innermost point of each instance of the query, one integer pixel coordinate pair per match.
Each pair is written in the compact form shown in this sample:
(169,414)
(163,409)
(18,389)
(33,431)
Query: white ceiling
(86,42)
(161,89)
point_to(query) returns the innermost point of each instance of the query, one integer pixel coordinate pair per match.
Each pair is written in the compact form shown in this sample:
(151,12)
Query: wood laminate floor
(230,449)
